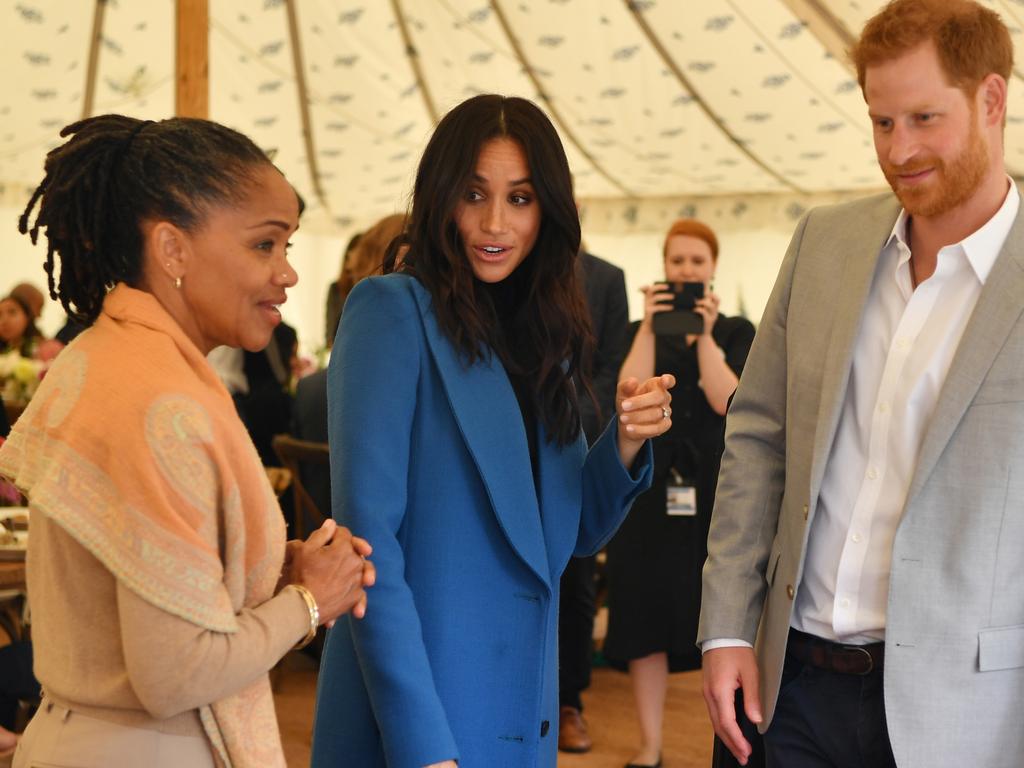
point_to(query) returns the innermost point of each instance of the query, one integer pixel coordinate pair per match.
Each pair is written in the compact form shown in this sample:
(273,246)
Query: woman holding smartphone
(655,560)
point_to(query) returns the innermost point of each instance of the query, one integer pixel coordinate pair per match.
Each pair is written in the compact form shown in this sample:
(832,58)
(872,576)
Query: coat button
(545,726)
(805,511)
(789,591)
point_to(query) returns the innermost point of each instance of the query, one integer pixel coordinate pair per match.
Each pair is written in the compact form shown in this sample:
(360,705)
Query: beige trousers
(62,738)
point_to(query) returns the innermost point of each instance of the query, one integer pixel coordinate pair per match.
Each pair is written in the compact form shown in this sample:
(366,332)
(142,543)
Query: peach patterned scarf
(133,446)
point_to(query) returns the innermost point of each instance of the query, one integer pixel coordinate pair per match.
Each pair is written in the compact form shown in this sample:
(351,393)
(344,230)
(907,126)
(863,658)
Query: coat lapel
(855,285)
(997,311)
(560,490)
(488,415)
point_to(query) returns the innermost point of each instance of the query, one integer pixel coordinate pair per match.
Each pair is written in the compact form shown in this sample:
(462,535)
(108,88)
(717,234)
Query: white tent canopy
(742,112)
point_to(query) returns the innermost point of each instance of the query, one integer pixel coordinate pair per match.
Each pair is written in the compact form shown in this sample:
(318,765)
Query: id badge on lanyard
(680,496)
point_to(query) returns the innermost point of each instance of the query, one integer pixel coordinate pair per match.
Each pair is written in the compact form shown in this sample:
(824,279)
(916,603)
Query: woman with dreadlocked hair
(160,588)
(456,448)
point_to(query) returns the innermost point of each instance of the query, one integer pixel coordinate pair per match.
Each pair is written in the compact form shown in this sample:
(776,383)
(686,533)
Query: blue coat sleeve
(609,489)
(373,376)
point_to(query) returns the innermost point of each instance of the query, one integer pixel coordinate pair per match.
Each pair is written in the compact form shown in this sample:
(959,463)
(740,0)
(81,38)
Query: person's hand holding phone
(658,297)
(707,307)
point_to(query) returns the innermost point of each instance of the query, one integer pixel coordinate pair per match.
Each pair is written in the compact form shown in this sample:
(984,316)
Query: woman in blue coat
(456,449)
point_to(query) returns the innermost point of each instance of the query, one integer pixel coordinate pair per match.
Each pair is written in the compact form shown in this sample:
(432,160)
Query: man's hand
(725,670)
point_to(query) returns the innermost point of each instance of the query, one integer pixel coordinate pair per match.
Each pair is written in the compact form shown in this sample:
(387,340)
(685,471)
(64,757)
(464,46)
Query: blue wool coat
(457,655)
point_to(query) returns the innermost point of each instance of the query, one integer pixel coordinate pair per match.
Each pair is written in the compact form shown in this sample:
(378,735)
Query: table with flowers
(19,379)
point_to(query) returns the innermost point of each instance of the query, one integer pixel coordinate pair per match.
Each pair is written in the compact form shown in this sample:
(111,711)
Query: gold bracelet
(314,616)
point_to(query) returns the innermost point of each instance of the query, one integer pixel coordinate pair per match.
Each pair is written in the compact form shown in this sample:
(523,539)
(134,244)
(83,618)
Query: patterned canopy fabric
(653,98)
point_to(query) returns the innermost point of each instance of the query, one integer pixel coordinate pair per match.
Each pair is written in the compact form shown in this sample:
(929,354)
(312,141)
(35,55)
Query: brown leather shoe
(572,731)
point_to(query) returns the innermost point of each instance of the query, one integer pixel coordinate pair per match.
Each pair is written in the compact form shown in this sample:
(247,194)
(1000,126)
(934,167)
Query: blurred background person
(17,684)
(655,560)
(309,421)
(157,566)
(18,331)
(32,297)
(19,311)
(265,404)
(335,297)
(363,257)
(604,286)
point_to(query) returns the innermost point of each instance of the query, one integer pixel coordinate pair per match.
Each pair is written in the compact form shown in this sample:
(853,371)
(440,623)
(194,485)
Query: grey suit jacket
(954,674)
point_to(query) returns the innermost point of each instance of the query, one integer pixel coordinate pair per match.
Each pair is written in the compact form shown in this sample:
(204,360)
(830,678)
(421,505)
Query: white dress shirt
(902,354)
(229,365)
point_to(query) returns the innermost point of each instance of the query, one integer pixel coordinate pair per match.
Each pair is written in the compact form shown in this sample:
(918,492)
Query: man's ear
(992,97)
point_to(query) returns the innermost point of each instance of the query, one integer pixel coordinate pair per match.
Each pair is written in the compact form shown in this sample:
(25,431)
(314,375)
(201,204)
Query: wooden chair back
(293,454)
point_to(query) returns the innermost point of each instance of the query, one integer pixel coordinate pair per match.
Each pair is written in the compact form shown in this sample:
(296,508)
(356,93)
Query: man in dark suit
(309,422)
(605,287)
(266,407)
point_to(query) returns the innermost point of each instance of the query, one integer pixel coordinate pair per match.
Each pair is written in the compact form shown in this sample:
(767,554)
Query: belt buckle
(867,654)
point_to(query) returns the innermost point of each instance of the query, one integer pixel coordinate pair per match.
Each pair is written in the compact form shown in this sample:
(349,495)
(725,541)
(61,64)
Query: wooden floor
(609,710)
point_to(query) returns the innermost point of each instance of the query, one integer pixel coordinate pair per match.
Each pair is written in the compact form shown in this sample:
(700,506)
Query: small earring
(177,283)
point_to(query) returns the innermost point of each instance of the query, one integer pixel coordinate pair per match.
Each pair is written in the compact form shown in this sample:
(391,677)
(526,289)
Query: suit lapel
(997,311)
(488,415)
(855,284)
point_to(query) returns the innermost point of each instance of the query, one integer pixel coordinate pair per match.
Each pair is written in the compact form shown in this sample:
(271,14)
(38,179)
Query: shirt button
(790,591)
(903,343)
(856,538)
(845,603)
(805,511)
(883,407)
(872,474)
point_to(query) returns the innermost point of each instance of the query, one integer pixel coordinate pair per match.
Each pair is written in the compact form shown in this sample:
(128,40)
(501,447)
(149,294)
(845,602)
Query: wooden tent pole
(94,58)
(304,112)
(827,28)
(192,59)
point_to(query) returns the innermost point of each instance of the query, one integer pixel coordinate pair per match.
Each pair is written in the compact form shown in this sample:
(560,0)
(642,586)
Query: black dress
(655,560)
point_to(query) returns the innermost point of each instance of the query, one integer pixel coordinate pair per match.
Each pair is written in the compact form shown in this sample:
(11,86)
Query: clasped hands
(332,565)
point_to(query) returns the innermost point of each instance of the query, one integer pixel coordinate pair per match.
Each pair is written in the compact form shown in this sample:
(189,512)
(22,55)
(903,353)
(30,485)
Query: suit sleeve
(372,386)
(609,489)
(610,350)
(752,476)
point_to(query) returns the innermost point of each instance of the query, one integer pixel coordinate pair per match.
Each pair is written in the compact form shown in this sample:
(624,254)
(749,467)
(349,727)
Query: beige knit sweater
(103,650)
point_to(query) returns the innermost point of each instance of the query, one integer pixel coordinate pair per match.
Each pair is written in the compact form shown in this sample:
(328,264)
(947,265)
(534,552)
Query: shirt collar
(981,246)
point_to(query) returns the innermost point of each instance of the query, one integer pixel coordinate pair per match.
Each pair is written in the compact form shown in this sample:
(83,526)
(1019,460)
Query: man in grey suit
(868,531)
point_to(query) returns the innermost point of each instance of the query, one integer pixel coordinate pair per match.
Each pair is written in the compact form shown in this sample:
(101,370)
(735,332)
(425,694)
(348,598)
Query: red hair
(692,228)
(972,42)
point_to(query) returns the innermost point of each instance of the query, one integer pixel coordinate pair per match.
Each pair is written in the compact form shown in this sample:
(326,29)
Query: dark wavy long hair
(553,341)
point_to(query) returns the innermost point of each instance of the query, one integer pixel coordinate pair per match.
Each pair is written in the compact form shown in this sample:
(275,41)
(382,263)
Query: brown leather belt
(835,657)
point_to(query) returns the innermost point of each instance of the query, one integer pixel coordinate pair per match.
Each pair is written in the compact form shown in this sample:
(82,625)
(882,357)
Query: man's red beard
(953,183)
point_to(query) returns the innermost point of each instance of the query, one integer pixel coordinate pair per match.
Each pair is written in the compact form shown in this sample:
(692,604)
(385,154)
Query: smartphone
(682,320)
